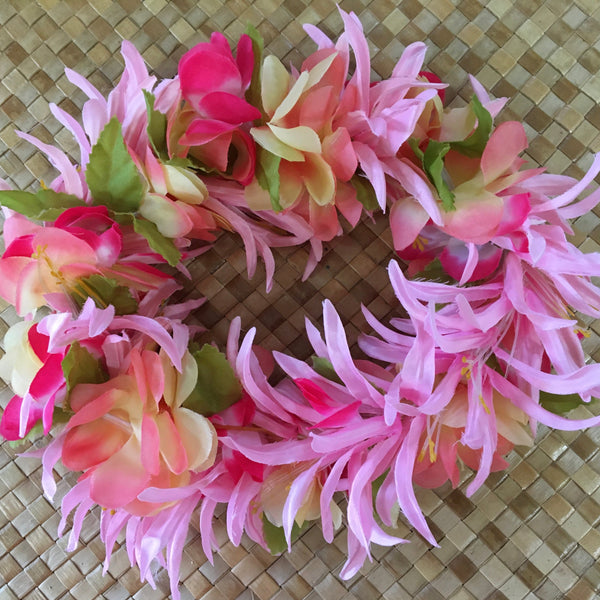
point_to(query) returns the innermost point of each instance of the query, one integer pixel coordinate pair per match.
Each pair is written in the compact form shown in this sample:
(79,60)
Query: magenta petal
(202,131)
(202,70)
(9,425)
(228,108)
(245,59)
(516,209)
(38,342)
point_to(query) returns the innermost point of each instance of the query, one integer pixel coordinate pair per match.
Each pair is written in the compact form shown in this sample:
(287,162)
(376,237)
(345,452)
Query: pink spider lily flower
(36,377)
(317,158)
(213,122)
(132,433)
(126,102)
(379,117)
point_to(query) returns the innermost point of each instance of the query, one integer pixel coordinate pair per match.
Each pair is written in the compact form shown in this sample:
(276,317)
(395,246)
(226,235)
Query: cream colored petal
(20,364)
(292,98)
(184,185)
(267,139)
(275,84)
(178,386)
(301,138)
(199,438)
(169,220)
(319,180)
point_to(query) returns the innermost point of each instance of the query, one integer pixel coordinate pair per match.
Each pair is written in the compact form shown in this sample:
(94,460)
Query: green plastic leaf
(253,93)
(104,291)
(45,205)
(157,126)
(434,271)
(275,536)
(433,164)
(217,387)
(267,174)
(560,404)
(79,366)
(178,161)
(111,174)
(157,241)
(414,145)
(365,193)
(474,145)
(324,368)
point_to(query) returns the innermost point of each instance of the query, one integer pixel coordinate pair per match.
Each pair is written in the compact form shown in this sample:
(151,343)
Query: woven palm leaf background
(530,532)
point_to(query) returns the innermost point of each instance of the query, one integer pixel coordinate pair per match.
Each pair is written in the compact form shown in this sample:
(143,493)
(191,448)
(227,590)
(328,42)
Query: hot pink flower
(213,123)
(44,264)
(35,376)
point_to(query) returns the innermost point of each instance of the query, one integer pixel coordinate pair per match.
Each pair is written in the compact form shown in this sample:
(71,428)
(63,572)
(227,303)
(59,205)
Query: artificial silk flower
(213,124)
(173,201)
(132,433)
(315,157)
(46,264)
(276,497)
(36,377)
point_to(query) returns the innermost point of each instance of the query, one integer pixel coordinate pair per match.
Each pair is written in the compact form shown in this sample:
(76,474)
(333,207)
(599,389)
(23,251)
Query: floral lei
(159,426)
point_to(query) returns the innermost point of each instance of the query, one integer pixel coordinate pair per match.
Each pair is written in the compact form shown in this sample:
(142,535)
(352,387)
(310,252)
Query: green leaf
(414,145)
(105,291)
(253,93)
(157,126)
(111,174)
(474,145)
(324,368)
(433,165)
(178,161)
(157,241)
(365,193)
(275,536)
(79,366)
(217,387)
(434,271)
(45,205)
(560,404)
(267,174)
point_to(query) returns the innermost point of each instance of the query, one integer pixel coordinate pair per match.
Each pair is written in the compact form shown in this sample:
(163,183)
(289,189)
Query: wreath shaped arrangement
(494,297)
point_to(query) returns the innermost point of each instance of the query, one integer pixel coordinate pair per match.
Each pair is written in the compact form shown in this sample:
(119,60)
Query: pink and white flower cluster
(159,427)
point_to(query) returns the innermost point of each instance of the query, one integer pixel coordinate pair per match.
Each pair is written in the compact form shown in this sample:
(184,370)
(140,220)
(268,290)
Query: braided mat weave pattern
(528,533)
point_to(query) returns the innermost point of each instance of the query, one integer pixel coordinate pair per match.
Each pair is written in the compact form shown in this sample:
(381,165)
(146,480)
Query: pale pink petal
(118,480)
(407,219)
(507,141)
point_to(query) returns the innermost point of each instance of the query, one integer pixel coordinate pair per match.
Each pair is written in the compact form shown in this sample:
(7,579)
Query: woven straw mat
(529,532)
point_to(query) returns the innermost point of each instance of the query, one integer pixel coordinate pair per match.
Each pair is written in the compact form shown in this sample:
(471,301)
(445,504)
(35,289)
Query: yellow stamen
(40,253)
(485,406)
(584,332)
(43,184)
(466,371)
(432,452)
(420,243)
